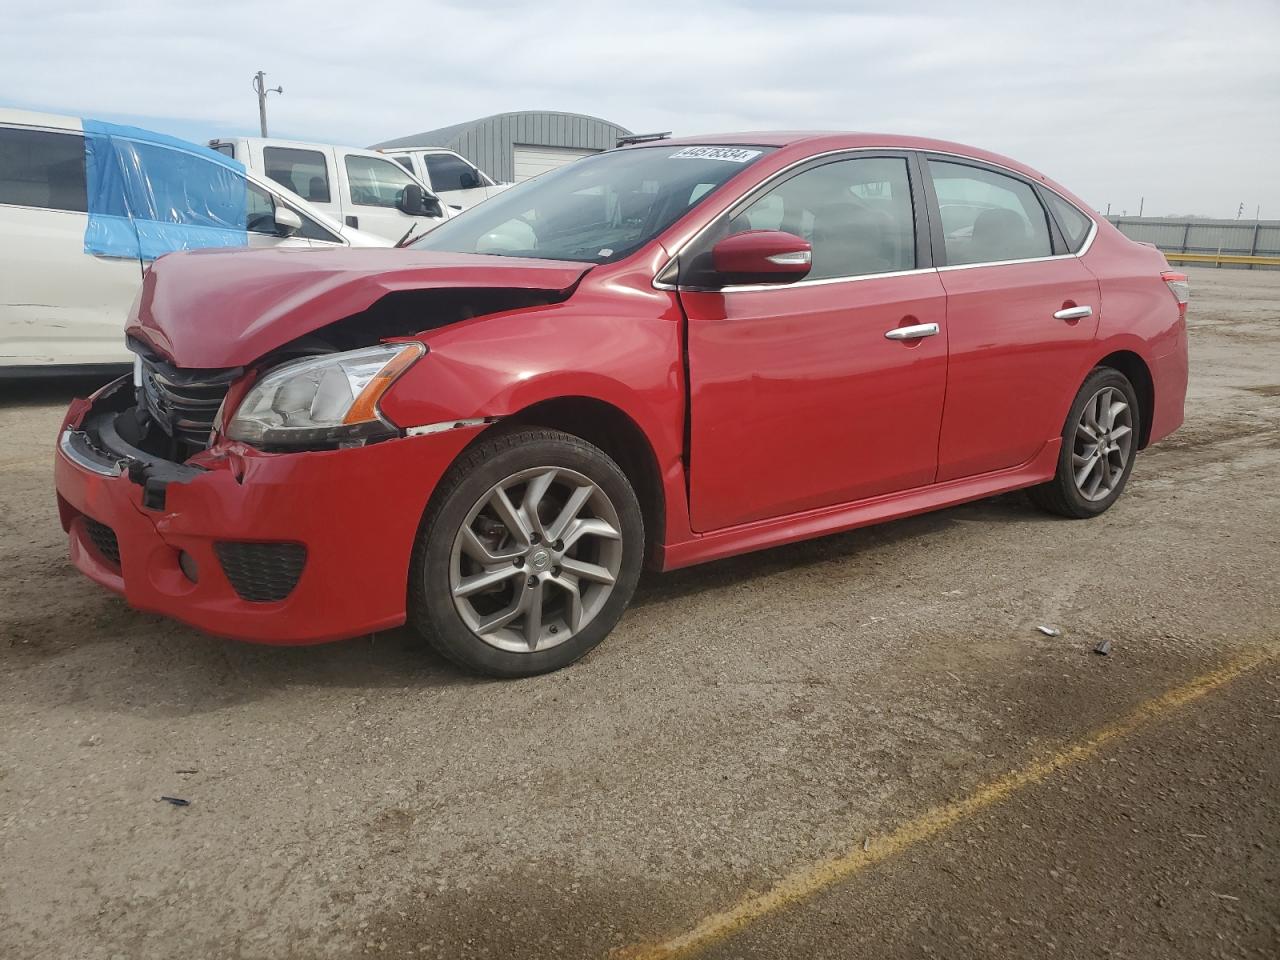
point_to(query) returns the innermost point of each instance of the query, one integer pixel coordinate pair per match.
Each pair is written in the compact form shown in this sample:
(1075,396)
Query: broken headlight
(330,399)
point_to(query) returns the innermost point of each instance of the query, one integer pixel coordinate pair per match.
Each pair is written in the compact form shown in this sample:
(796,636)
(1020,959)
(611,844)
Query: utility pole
(1240,210)
(1141,200)
(260,87)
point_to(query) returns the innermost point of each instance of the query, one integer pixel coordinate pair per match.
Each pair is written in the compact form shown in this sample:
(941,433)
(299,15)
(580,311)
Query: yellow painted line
(810,880)
(1221,258)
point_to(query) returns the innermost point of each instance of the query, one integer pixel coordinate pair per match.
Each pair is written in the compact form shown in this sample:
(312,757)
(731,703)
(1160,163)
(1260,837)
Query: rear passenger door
(307,173)
(1022,316)
(58,304)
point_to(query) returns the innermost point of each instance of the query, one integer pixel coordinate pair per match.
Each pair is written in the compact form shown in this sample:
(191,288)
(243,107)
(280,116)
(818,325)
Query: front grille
(183,405)
(261,572)
(104,540)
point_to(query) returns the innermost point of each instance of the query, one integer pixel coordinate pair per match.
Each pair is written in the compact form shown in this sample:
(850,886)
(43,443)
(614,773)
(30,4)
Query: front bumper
(355,513)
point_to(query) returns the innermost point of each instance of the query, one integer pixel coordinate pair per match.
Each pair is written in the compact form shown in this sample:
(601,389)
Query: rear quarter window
(1074,225)
(42,169)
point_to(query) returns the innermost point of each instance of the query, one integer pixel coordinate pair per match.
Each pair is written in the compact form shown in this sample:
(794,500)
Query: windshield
(597,209)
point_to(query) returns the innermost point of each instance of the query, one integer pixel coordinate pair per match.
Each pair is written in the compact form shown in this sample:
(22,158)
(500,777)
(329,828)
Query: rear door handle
(913,332)
(1074,313)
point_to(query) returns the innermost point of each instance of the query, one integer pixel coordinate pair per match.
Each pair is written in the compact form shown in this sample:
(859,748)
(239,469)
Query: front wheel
(1099,443)
(528,555)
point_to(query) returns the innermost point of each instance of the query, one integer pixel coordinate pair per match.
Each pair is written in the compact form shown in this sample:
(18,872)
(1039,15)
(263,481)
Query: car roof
(821,141)
(292,144)
(30,118)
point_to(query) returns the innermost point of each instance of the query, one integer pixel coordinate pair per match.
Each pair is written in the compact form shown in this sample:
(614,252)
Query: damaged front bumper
(280,548)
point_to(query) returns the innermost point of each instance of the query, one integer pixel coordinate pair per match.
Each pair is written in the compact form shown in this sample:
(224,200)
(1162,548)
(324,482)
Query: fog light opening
(188,564)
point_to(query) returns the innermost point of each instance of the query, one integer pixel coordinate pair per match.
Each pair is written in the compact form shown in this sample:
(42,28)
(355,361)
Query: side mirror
(416,202)
(287,221)
(762,256)
(468,180)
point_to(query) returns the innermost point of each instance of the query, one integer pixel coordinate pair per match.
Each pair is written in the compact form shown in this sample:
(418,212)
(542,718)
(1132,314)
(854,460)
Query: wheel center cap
(539,560)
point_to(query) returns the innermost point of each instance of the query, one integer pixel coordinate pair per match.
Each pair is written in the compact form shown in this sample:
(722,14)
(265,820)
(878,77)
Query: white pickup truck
(452,178)
(358,188)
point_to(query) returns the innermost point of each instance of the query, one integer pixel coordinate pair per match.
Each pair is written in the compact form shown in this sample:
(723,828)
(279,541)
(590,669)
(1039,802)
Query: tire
(1065,494)
(521,551)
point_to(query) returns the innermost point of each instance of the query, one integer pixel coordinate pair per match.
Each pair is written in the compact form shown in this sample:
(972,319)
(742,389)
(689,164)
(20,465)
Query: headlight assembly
(330,399)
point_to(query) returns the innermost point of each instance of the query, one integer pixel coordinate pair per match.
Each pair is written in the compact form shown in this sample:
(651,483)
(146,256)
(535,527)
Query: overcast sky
(1176,101)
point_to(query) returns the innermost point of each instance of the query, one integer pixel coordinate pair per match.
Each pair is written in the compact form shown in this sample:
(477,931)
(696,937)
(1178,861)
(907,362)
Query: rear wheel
(528,556)
(1099,443)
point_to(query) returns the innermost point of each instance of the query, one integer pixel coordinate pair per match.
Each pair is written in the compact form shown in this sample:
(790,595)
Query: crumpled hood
(227,308)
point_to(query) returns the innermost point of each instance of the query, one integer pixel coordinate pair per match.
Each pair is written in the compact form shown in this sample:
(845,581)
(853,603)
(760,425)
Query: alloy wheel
(1103,441)
(536,559)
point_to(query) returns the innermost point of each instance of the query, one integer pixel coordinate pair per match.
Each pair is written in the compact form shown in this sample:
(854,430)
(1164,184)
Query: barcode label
(728,154)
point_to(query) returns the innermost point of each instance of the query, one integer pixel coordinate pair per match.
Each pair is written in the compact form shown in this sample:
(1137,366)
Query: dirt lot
(745,721)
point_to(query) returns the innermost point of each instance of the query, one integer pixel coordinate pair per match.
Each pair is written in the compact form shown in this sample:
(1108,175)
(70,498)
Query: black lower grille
(104,540)
(262,572)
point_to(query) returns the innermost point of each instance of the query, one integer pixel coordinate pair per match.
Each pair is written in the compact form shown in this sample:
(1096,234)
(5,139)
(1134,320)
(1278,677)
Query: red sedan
(667,353)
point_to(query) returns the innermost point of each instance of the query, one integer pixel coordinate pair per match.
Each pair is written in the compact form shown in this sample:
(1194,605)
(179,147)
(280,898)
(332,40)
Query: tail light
(1180,287)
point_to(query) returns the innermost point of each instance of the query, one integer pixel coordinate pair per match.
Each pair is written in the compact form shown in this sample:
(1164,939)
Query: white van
(452,178)
(358,188)
(73,249)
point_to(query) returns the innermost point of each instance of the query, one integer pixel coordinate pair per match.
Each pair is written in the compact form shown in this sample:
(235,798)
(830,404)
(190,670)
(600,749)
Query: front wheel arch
(608,427)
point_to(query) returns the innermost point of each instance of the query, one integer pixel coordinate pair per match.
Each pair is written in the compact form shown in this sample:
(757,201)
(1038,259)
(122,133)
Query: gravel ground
(746,718)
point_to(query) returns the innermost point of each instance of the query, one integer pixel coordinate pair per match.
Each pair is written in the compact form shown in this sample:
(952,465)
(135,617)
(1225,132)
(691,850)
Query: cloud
(1117,100)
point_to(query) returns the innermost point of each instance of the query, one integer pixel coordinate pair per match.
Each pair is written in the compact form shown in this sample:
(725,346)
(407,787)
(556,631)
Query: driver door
(802,397)
(374,186)
(454,180)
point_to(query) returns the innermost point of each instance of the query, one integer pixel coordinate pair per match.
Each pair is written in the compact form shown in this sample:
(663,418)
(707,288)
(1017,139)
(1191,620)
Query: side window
(312,230)
(1073,224)
(987,216)
(451,173)
(40,169)
(405,162)
(302,171)
(375,182)
(259,210)
(857,214)
(226,149)
(260,217)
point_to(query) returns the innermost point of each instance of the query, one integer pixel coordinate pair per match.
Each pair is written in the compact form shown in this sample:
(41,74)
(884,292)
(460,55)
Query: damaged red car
(664,354)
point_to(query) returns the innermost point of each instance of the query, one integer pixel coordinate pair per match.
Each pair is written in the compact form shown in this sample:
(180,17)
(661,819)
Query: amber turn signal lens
(365,406)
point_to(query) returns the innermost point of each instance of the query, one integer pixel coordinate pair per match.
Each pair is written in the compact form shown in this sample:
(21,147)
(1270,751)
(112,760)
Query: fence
(1254,244)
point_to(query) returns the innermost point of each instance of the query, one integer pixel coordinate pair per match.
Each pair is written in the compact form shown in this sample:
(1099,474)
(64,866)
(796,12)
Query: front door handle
(914,332)
(1074,313)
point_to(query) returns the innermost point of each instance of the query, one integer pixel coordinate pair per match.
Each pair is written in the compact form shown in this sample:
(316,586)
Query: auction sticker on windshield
(731,154)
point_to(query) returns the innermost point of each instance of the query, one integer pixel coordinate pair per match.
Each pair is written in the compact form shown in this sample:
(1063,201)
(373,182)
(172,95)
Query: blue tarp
(150,194)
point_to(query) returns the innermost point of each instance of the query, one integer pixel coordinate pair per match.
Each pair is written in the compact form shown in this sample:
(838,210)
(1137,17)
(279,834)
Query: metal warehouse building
(516,146)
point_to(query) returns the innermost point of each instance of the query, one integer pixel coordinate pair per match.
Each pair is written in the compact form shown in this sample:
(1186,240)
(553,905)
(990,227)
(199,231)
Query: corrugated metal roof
(490,142)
